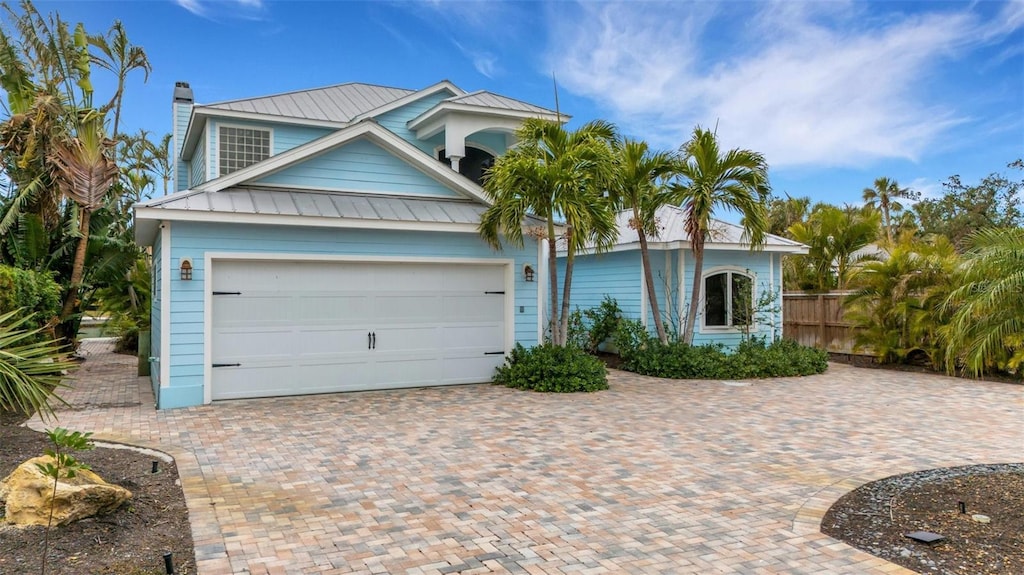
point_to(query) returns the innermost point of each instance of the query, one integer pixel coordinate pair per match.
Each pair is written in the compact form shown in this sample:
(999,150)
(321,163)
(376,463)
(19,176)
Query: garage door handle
(227,293)
(227,365)
(494,353)
(369,340)
(374,340)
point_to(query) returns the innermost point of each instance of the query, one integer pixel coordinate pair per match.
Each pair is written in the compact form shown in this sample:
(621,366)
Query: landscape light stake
(156,467)
(962,506)
(169,563)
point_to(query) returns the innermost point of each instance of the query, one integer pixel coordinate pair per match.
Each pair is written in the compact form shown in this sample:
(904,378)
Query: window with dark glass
(241,147)
(728,299)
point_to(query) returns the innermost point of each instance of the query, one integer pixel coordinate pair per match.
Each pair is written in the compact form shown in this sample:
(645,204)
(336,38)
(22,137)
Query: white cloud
(807,84)
(193,6)
(202,7)
(928,189)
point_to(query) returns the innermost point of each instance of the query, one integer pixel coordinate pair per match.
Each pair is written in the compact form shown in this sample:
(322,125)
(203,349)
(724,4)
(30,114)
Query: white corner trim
(666,311)
(165,305)
(771,284)
(211,166)
(682,290)
(510,305)
(643,294)
(541,277)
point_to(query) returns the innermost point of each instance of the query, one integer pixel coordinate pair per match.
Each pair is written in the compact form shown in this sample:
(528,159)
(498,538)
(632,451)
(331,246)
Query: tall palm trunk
(563,323)
(77,268)
(553,274)
(652,297)
(698,269)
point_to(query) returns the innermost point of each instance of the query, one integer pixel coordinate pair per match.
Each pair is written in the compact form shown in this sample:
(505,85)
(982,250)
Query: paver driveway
(653,476)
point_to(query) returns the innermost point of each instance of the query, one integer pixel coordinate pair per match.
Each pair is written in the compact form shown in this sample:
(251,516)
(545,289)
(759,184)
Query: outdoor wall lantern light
(528,272)
(186,269)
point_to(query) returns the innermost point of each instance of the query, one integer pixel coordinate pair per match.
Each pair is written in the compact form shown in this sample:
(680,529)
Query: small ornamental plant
(64,466)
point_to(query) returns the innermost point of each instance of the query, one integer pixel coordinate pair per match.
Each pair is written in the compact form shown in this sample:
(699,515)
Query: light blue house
(732,275)
(326,240)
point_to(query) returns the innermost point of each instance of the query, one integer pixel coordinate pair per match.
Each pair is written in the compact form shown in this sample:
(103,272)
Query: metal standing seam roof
(251,200)
(491,100)
(672,228)
(340,103)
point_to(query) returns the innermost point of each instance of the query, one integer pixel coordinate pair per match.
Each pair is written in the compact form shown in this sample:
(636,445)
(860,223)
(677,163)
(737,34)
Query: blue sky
(835,93)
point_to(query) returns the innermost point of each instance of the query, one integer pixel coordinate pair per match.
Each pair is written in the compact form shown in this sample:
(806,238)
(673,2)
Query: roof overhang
(434,120)
(685,245)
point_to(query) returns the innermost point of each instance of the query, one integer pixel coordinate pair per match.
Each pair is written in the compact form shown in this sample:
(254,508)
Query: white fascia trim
(446,107)
(292,220)
(192,138)
(378,135)
(674,245)
(410,98)
(165,305)
(314,189)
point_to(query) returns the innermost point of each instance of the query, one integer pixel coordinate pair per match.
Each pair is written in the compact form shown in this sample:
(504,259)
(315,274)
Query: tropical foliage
(711,179)
(72,180)
(639,188)
(560,177)
(31,367)
(834,237)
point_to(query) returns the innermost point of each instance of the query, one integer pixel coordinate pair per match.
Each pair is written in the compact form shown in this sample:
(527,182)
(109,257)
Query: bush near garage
(552,368)
(753,358)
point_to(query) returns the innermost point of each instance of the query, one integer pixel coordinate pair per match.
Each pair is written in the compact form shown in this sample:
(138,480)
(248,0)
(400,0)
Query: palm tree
(162,161)
(784,212)
(710,179)
(884,198)
(120,57)
(833,236)
(553,173)
(987,326)
(636,188)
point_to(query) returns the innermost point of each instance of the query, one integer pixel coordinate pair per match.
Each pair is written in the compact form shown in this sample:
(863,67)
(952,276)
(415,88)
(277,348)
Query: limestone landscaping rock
(27,494)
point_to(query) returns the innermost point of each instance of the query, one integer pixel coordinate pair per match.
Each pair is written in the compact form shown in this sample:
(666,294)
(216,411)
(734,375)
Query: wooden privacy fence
(817,320)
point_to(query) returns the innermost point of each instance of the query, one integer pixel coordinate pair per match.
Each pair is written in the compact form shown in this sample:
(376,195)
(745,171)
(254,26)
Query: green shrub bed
(753,358)
(552,368)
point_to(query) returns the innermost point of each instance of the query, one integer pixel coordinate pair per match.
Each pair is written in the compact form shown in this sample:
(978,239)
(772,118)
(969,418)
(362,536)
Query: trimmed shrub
(36,294)
(644,354)
(552,368)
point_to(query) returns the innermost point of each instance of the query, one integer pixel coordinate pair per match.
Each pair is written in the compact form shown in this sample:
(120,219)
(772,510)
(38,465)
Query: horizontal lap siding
(155,305)
(194,240)
(359,166)
(181,168)
(595,276)
(199,165)
(396,120)
(284,137)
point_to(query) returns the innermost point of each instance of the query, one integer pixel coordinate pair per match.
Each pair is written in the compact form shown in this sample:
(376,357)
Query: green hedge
(32,292)
(552,368)
(753,358)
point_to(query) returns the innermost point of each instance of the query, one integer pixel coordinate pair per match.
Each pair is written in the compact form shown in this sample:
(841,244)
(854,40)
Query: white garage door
(288,328)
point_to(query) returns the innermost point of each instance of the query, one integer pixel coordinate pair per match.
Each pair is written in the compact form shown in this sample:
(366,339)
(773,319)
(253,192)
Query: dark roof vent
(182,93)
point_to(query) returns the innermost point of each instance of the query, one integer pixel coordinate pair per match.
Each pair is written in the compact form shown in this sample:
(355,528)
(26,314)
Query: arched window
(728,299)
(474,165)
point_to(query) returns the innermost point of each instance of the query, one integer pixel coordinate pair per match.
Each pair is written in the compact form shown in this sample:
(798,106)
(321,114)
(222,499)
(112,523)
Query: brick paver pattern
(652,476)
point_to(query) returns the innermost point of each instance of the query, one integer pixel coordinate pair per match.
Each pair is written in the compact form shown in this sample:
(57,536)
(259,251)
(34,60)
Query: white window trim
(704,328)
(216,142)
